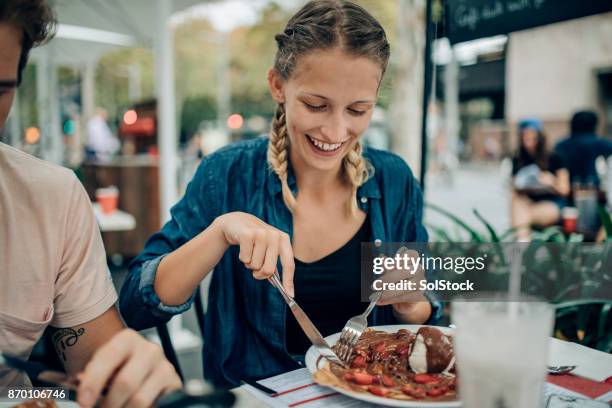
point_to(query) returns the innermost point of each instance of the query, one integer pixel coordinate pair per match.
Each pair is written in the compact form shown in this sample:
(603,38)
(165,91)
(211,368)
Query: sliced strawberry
(363,378)
(381,392)
(414,392)
(426,379)
(437,391)
(387,381)
(359,362)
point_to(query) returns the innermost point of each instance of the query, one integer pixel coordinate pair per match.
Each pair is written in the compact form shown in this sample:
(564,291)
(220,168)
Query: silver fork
(558,370)
(353,329)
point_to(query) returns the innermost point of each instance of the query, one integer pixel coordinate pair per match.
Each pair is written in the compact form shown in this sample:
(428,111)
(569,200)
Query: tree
(406,110)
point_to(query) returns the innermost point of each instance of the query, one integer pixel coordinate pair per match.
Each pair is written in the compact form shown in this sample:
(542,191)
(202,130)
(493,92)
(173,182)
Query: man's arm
(103,354)
(76,345)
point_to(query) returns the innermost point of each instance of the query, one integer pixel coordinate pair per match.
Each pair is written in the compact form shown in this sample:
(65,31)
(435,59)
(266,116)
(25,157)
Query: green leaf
(509,233)
(606,220)
(550,234)
(494,236)
(440,233)
(473,233)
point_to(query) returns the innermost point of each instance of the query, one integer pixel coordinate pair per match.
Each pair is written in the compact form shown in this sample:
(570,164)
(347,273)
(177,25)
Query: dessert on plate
(403,365)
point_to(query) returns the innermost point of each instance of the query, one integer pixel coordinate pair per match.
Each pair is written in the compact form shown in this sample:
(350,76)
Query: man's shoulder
(569,144)
(27,172)
(604,144)
(563,143)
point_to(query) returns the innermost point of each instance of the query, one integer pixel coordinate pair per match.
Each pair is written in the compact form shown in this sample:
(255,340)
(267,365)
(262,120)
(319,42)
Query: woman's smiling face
(329,100)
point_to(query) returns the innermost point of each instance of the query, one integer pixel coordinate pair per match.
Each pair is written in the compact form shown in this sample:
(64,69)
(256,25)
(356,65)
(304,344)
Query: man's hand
(104,355)
(133,370)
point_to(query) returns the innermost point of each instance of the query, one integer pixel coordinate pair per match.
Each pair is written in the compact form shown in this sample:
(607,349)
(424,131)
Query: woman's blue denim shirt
(244,335)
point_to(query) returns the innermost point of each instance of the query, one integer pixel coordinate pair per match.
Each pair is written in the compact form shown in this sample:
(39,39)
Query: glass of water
(502,351)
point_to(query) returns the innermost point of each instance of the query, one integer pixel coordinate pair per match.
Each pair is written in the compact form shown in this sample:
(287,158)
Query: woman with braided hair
(300,201)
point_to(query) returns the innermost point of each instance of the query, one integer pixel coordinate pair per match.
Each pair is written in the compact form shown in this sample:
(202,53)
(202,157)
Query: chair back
(166,340)
(587,322)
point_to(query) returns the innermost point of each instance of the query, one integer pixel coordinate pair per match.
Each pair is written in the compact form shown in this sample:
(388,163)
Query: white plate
(312,355)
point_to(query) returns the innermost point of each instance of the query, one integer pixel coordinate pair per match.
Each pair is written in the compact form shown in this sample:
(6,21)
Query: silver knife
(306,324)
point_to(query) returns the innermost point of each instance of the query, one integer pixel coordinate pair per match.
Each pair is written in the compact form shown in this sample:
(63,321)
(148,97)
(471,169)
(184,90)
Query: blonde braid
(278,151)
(356,170)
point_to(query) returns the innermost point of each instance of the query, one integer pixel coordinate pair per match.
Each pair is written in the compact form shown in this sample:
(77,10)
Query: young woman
(308,196)
(539,206)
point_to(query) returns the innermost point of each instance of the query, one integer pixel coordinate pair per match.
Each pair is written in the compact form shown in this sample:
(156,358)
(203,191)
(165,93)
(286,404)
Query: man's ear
(276,85)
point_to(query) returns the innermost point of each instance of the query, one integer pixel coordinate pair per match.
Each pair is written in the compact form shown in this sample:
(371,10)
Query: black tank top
(328,290)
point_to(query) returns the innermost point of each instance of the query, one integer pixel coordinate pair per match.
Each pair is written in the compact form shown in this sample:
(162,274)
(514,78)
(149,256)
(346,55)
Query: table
(137,179)
(245,400)
(115,221)
(589,361)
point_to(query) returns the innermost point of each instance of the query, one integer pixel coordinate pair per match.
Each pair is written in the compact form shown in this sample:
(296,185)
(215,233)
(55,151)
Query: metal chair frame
(166,340)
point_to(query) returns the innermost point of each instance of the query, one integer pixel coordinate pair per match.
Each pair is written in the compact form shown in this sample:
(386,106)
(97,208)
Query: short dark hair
(584,122)
(36,21)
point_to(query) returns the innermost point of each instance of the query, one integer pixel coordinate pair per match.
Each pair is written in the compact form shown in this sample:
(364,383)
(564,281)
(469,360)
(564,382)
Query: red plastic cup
(570,219)
(108,198)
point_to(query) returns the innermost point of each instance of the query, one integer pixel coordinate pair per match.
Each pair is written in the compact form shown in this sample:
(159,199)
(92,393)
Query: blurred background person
(540,181)
(582,147)
(101,143)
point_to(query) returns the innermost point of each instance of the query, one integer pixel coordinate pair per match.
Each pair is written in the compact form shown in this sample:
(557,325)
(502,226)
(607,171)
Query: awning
(472,19)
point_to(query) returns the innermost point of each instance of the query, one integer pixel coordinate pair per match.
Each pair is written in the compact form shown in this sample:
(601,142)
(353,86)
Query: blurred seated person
(101,143)
(540,182)
(53,268)
(581,149)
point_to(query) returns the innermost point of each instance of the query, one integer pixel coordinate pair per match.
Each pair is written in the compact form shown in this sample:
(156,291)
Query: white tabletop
(590,363)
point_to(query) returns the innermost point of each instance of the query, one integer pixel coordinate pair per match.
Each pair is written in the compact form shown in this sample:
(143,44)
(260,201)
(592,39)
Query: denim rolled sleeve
(147,291)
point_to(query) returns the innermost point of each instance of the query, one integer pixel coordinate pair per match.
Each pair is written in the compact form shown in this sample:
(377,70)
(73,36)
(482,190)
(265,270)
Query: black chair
(166,340)
(587,322)
(170,353)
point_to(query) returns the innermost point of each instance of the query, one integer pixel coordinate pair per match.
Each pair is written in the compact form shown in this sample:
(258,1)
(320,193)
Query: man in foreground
(53,268)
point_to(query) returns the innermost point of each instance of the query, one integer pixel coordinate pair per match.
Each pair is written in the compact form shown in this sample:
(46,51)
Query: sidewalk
(474,186)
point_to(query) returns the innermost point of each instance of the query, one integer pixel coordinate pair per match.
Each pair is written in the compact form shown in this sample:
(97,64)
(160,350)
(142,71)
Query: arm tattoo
(64,338)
